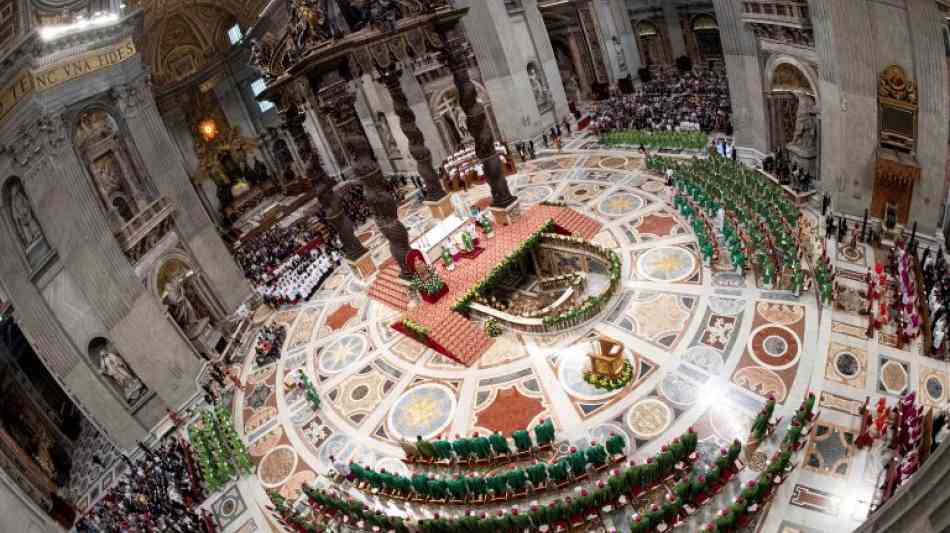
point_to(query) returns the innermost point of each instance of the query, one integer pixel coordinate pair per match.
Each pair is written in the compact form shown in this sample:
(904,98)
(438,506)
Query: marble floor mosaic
(708,348)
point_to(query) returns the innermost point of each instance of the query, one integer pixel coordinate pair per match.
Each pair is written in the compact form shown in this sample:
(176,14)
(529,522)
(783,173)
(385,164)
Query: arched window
(25,225)
(647,29)
(705,23)
(706,30)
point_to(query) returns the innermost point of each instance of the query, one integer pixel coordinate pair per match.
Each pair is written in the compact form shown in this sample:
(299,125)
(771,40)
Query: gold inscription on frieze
(27,82)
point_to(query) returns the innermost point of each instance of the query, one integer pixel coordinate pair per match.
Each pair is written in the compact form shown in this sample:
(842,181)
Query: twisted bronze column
(340,103)
(353,249)
(391,78)
(456,58)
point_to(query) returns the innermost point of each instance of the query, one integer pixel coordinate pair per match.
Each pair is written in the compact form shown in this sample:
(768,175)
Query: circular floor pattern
(341,353)
(613,163)
(666,264)
(678,390)
(277,466)
(653,186)
(704,357)
(726,306)
(535,194)
(847,365)
(649,418)
(775,347)
(934,388)
(424,410)
(894,377)
(618,204)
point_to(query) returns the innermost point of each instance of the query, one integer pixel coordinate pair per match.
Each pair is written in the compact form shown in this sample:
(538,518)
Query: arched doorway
(705,31)
(794,116)
(652,46)
(450,119)
(187,298)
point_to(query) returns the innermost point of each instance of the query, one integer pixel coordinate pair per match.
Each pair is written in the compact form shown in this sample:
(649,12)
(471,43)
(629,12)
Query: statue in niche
(460,120)
(537,85)
(94,126)
(117,370)
(27,227)
(180,306)
(805,137)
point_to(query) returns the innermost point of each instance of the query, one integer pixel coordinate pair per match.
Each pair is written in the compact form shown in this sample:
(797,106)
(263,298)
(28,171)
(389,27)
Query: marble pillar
(577,59)
(626,34)
(546,57)
(674,29)
(353,249)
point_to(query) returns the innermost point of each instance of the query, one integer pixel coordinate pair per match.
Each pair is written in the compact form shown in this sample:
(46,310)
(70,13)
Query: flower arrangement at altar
(416,329)
(493,328)
(312,396)
(221,454)
(608,383)
(428,284)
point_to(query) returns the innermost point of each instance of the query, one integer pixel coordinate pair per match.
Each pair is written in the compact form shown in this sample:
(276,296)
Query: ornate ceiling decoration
(182,36)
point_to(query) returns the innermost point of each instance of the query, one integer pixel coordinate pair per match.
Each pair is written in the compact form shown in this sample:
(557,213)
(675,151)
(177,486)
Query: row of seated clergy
(479,447)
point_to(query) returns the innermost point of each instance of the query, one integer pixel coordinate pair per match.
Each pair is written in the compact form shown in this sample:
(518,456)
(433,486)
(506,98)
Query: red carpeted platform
(449,332)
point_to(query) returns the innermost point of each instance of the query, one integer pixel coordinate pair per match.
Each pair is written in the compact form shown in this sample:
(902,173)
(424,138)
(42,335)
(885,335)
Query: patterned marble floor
(711,347)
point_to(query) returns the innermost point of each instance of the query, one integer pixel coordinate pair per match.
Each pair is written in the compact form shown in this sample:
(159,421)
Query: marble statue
(806,125)
(116,369)
(460,120)
(537,86)
(27,227)
(182,309)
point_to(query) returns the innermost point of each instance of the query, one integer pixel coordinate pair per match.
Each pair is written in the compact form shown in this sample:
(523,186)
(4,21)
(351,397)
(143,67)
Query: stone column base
(364,267)
(506,215)
(442,208)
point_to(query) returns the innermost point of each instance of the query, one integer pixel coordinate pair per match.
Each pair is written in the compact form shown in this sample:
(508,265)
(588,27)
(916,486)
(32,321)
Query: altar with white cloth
(447,234)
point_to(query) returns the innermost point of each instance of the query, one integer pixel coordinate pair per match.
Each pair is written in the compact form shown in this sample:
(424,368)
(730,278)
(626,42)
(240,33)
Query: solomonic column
(436,199)
(353,249)
(341,104)
(504,204)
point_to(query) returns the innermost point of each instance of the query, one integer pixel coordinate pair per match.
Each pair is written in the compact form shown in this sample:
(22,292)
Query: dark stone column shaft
(392,79)
(340,103)
(456,57)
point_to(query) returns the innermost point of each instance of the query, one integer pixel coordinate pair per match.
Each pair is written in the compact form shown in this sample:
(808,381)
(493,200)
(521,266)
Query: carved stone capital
(33,140)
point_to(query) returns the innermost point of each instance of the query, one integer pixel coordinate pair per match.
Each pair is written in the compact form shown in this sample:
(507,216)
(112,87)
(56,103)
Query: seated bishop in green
(517,480)
(522,440)
(426,449)
(458,488)
(499,443)
(462,448)
(482,447)
(537,474)
(443,450)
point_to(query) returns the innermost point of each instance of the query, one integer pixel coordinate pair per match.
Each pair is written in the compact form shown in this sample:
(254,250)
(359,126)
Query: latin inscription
(27,82)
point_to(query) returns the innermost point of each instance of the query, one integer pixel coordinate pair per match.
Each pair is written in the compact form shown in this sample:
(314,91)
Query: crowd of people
(937,290)
(299,277)
(697,100)
(286,265)
(270,341)
(158,493)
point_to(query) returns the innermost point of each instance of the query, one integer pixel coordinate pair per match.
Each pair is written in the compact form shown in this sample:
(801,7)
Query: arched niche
(183,290)
(100,141)
(794,113)
(653,48)
(114,371)
(539,85)
(22,222)
(450,119)
(705,30)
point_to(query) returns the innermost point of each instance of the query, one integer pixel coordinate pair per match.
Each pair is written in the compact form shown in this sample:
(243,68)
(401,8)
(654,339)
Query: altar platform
(450,333)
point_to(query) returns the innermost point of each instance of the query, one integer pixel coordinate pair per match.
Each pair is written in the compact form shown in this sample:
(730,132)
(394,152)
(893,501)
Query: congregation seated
(696,100)
(937,292)
(158,493)
(297,279)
